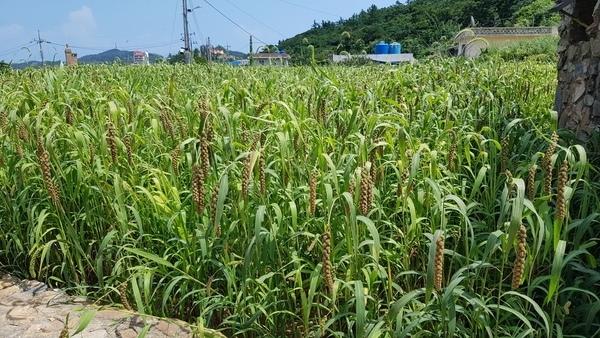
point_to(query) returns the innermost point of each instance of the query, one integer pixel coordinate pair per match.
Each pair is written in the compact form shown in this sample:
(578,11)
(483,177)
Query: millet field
(435,199)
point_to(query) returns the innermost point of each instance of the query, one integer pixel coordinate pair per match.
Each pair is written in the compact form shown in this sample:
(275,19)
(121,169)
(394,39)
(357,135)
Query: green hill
(422,27)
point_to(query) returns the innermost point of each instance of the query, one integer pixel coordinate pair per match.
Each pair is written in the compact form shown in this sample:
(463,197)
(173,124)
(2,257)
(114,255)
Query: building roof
(271,55)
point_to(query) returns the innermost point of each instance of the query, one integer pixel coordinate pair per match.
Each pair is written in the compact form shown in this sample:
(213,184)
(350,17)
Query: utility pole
(186,34)
(251,51)
(39,40)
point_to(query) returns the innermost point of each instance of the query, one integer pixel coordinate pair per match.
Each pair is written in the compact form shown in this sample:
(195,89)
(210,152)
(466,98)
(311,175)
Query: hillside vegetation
(422,26)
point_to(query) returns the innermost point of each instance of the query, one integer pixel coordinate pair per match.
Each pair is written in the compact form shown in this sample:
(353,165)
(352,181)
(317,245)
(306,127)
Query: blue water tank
(395,48)
(382,48)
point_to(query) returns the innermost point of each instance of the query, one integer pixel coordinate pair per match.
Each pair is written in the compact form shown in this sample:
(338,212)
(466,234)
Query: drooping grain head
(261,174)
(167,123)
(205,156)
(129,111)
(510,183)
(312,188)
(175,161)
(452,150)
(213,209)
(504,153)
(366,191)
(438,272)
(321,113)
(112,140)
(128,149)
(3,121)
(198,188)
(44,161)
(22,133)
(180,125)
(262,106)
(69,118)
(547,164)
(521,254)
(560,191)
(123,296)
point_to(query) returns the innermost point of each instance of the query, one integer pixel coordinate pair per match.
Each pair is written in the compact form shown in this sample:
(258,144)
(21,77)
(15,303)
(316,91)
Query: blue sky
(90,27)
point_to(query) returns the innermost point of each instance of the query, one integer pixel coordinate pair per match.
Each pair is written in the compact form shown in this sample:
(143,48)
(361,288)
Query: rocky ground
(31,309)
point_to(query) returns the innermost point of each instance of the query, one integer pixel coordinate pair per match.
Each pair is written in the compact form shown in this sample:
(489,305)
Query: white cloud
(81,22)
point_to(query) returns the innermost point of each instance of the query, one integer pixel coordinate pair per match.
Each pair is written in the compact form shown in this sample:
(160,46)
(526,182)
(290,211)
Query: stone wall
(578,93)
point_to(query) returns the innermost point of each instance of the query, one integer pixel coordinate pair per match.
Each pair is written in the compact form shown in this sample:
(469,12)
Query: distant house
(472,41)
(271,59)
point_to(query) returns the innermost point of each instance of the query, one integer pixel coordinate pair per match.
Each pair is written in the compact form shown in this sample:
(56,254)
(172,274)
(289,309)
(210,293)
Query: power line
(233,22)
(250,15)
(310,9)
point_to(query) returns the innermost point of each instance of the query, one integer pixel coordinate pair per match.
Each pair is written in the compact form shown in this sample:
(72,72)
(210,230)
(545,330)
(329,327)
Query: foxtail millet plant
(438,272)
(521,254)
(504,153)
(452,150)
(560,191)
(18,148)
(547,164)
(198,188)
(213,209)
(128,150)
(327,271)
(3,122)
(312,192)
(44,160)
(112,141)
(69,118)
(167,123)
(122,288)
(175,161)
(261,175)
(22,132)
(366,191)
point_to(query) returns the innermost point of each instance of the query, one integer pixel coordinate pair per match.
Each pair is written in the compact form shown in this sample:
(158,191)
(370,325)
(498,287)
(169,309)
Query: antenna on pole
(39,41)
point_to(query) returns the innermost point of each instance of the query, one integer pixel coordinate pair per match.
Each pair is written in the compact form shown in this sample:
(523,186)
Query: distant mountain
(114,54)
(109,56)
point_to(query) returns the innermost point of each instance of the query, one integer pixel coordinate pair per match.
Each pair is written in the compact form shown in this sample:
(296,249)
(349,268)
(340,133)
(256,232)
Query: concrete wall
(472,42)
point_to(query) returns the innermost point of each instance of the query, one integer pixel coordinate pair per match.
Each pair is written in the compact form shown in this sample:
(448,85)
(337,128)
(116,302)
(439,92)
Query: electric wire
(173,29)
(250,15)
(310,9)
(233,22)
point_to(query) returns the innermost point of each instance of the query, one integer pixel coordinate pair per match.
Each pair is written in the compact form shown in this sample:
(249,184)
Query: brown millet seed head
(123,295)
(197,188)
(175,161)
(69,118)
(312,198)
(205,155)
(127,142)
(22,133)
(321,111)
(262,106)
(3,122)
(327,272)
(365,191)
(262,177)
(439,263)
(560,193)
(452,150)
(18,148)
(129,111)
(112,142)
(531,183)
(181,126)
(521,254)
(351,187)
